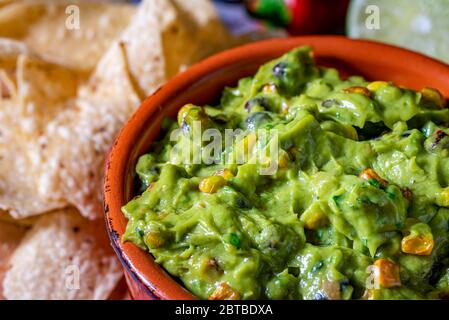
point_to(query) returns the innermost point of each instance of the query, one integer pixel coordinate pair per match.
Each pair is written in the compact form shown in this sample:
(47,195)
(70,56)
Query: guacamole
(358,207)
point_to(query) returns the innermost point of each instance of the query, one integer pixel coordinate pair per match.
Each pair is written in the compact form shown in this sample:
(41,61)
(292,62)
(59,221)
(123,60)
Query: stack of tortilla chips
(71,74)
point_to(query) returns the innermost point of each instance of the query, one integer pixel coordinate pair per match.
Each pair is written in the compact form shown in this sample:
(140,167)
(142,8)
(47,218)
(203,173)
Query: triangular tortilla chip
(72,162)
(48,28)
(19,193)
(45,90)
(141,43)
(63,256)
(67,137)
(191,31)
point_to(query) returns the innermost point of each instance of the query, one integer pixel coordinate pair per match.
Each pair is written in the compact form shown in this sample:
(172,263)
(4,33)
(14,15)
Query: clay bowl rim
(156,283)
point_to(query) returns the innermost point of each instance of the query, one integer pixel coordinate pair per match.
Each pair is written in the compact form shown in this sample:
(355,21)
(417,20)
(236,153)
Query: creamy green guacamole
(362,185)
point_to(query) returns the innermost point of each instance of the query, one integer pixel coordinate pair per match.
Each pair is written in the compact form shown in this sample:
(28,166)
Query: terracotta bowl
(202,84)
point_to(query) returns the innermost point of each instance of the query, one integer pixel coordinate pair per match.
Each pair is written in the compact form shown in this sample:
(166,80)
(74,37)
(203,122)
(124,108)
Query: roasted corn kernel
(212,184)
(376,85)
(154,239)
(435,96)
(314,217)
(418,245)
(387,273)
(224,292)
(443,198)
(190,113)
(225,173)
(358,89)
(370,175)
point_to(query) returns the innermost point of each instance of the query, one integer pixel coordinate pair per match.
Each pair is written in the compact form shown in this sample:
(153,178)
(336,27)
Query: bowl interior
(203,84)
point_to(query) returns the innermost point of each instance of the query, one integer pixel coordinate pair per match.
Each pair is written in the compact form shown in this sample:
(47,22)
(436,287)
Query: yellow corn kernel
(434,95)
(376,85)
(369,174)
(358,89)
(183,112)
(443,198)
(224,292)
(190,113)
(269,88)
(153,239)
(314,217)
(225,173)
(387,273)
(212,184)
(419,245)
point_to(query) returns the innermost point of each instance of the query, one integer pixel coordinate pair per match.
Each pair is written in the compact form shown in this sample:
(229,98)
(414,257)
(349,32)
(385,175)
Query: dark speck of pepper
(261,101)
(280,69)
(243,203)
(343,284)
(439,135)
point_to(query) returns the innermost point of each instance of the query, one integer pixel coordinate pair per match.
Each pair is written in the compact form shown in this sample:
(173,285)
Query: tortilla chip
(44,91)
(191,31)
(67,137)
(18,189)
(70,167)
(205,22)
(62,141)
(141,42)
(42,26)
(10,236)
(64,256)
(39,92)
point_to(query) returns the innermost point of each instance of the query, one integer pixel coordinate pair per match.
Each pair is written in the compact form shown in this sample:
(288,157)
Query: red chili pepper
(302,16)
